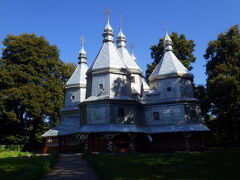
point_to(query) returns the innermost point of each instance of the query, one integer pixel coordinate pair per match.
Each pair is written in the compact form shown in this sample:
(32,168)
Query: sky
(62,22)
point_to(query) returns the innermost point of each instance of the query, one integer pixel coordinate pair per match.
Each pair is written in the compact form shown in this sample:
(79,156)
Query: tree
(182,48)
(31,88)
(223,84)
(200,92)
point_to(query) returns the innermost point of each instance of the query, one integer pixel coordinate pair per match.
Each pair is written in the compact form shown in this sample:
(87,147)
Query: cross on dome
(82,40)
(107,13)
(121,38)
(82,53)
(108,31)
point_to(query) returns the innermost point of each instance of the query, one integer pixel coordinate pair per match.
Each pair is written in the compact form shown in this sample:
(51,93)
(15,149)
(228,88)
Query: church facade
(109,107)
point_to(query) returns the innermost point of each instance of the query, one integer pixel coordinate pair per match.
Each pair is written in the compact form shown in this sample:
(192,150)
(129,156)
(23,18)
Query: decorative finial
(82,53)
(166,30)
(108,31)
(82,40)
(107,13)
(121,39)
(167,41)
(120,22)
(132,47)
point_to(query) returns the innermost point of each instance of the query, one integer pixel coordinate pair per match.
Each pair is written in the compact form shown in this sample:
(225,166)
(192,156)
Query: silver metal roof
(121,39)
(133,57)
(72,127)
(78,78)
(108,57)
(95,98)
(68,126)
(110,128)
(169,63)
(127,58)
(183,127)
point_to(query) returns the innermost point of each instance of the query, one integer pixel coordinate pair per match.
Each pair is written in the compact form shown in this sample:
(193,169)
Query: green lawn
(215,164)
(24,166)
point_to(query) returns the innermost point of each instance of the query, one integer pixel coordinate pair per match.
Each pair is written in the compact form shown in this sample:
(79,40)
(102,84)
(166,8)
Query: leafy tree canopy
(182,48)
(223,83)
(31,88)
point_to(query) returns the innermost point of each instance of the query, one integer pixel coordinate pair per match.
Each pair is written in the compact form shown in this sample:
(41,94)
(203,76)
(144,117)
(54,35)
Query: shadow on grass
(26,168)
(209,165)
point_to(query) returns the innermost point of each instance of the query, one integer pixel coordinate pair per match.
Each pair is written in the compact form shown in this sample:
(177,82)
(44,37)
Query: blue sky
(62,22)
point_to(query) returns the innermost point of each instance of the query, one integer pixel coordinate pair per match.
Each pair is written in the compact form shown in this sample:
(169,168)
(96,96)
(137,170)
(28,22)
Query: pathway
(71,167)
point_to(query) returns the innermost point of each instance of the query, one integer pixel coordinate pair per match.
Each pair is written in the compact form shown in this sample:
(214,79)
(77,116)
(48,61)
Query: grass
(217,164)
(24,165)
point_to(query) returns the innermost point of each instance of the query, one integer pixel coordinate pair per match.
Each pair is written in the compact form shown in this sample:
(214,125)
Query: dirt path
(71,167)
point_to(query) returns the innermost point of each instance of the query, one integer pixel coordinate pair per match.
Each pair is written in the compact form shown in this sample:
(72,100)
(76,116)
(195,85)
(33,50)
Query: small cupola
(108,32)
(82,57)
(121,39)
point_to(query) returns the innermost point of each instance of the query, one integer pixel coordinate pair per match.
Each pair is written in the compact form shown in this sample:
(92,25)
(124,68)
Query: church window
(72,97)
(133,79)
(169,89)
(193,114)
(83,115)
(156,116)
(121,112)
(101,86)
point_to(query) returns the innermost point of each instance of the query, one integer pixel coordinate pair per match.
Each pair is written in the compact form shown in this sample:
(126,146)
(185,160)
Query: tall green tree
(223,84)
(31,88)
(182,48)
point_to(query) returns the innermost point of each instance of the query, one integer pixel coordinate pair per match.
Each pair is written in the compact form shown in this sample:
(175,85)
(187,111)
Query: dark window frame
(156,116)
(169,89)
(101,86)
(133,79)
(121,112)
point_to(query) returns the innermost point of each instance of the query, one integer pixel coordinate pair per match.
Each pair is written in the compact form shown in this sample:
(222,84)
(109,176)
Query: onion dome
(167,43)
(78,78)
(108,56)
(108,32)
(82,54)
(121,39)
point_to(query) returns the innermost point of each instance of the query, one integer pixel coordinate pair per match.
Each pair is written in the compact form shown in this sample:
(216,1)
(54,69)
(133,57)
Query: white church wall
(137,83)
(98,113)
(119,85)
(100,85)
(82,94)
(72,97)
(164,114)
(173,87)
(68,114)
(124,113)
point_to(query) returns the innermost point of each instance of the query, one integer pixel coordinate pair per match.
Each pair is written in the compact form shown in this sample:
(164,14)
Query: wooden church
(109,107)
